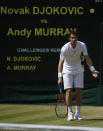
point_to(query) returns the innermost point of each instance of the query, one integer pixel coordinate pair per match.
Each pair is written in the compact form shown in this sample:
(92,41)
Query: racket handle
(60,89)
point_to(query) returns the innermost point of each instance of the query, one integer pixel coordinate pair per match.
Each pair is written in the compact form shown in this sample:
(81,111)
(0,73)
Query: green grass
(45,115)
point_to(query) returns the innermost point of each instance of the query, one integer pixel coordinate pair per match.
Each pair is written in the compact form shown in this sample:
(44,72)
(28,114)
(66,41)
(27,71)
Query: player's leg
(78,104)
(68,84)
(69,97)
(78,96)
(78,84)
(69,103)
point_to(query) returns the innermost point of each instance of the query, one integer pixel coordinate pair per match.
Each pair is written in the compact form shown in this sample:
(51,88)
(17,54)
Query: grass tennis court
(45,115)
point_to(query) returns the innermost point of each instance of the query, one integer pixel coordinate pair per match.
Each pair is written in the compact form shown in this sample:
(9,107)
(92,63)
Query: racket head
(61,109)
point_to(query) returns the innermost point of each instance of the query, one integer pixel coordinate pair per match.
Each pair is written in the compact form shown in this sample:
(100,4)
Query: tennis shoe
(70,116)
(78,116)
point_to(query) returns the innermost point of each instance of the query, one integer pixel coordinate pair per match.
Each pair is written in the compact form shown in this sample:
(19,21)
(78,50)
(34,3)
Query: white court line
(47,127)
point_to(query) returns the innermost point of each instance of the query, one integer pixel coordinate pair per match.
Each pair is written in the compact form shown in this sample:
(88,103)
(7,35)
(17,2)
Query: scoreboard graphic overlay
(33,31)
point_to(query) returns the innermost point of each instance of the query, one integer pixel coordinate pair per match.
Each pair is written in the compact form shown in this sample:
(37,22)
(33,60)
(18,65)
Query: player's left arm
(90,64)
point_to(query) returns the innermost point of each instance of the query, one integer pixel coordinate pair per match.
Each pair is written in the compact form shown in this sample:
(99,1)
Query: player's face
(73,39)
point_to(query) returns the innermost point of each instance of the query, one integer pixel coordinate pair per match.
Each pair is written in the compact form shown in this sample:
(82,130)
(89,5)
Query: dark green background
(28,86)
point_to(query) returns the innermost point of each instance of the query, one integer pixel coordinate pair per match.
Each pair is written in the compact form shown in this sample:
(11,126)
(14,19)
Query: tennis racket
(61,107)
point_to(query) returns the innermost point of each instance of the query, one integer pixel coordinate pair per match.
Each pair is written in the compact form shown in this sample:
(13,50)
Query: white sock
(77,109)
(69,109)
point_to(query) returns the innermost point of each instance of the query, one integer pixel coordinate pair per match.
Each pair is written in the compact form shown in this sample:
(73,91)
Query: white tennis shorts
(73,80)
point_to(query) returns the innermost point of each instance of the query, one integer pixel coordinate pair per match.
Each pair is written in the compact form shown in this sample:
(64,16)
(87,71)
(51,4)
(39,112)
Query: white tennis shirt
(71,57)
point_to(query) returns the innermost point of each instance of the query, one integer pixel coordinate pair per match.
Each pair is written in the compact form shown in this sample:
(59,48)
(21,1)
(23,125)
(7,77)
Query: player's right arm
(63,55)
(60,68)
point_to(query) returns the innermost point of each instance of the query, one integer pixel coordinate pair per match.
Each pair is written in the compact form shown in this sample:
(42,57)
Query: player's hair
(73,33)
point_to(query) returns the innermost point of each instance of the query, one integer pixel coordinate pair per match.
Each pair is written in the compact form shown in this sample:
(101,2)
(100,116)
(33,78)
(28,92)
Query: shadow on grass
(98,119)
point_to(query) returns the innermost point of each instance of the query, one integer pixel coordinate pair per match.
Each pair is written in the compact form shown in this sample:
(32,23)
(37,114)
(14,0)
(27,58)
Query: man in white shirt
(70,69)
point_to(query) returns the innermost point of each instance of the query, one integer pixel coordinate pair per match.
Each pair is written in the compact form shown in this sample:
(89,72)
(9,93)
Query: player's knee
(68,91)
(78,89)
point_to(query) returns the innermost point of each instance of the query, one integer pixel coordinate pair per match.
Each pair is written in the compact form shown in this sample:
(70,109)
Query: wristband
(60,75)
(92,68)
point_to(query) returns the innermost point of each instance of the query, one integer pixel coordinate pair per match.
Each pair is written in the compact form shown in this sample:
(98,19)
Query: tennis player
(70,69)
